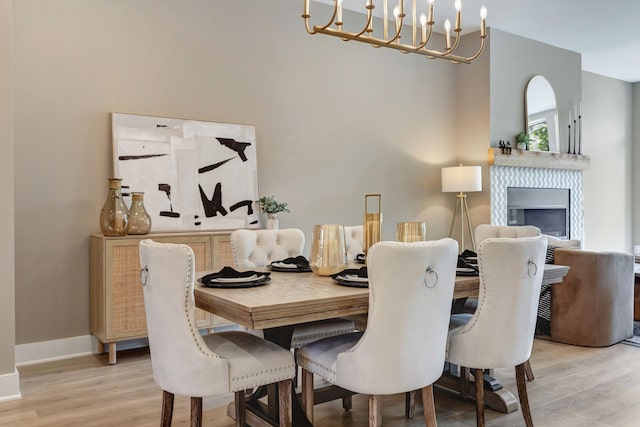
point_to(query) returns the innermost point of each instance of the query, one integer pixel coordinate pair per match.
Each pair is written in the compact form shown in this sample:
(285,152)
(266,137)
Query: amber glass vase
(328,250)
(139,219)
(114,217)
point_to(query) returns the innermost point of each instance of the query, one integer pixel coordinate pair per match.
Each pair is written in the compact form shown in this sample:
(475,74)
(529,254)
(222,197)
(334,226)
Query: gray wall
(607,127)
(7,280)
(334,121)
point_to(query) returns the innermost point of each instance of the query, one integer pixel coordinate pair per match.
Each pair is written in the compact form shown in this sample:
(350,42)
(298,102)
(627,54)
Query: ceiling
(606,33)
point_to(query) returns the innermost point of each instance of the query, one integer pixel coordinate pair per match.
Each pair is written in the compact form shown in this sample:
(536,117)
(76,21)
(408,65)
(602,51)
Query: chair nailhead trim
(314,363)
(189,310)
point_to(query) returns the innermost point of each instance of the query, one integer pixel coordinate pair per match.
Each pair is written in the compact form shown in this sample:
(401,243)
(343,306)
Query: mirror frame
(553,127)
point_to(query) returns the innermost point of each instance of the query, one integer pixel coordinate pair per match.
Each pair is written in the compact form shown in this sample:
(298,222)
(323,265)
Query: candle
(396,14)
(306,7)
(458,5)
(580,108)
(430,17)
(339,13)
(423,22)
(447,30)
(483,21)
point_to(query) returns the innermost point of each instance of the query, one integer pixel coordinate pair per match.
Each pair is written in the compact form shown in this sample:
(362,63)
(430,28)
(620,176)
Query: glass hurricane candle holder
(411,232)
(328,250)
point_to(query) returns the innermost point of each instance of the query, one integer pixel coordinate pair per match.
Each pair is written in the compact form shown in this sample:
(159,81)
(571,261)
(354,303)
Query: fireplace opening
(545,208)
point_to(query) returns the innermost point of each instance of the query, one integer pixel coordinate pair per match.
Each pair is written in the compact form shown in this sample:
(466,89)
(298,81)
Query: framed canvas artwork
(195,175)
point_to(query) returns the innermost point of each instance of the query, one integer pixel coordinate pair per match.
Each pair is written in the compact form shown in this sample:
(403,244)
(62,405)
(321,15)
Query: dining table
(291,298)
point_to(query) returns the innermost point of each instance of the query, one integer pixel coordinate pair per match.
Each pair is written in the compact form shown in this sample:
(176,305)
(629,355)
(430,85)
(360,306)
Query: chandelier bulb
(447,26)
(458,5)
(483,12)
(423,20)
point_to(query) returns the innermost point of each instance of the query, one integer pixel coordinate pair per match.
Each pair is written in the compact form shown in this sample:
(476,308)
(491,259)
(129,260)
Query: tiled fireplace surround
(503,177)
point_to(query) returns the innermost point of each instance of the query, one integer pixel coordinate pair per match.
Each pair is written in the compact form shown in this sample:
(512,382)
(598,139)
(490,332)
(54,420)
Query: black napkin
(468,254)
(361,258)
(231,273)
(300,261)
(360,272)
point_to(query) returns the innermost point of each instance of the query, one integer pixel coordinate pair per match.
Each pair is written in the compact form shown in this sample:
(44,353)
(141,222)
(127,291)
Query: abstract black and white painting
(195,175)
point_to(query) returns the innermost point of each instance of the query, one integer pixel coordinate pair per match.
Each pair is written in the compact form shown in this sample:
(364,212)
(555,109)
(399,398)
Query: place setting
(228,277)
(356,277)
(467,264)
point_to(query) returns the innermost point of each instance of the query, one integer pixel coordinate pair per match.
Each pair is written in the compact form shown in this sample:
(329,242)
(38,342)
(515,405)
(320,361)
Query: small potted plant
(270,206)
(522,141)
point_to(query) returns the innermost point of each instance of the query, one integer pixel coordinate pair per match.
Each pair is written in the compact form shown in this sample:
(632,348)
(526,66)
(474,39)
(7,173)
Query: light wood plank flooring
(574,386)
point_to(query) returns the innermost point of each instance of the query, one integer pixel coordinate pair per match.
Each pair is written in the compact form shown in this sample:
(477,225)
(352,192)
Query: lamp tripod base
(461,205)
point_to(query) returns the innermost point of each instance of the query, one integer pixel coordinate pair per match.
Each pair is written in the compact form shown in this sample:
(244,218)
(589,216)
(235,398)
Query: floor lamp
(461,180)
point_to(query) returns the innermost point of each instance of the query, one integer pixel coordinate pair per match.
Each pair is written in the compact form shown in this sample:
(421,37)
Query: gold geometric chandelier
(419,46)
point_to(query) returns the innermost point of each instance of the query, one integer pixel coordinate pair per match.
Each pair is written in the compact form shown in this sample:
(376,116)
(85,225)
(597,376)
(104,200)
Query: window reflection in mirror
(541,115)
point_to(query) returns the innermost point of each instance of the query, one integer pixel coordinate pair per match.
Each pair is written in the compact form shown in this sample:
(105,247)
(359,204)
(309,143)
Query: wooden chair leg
(241,413)
(196,412)
(284,397)
(167,409)
(522,394)
(429,406)
(307,394)
(479,380)
(464,382)
(410,404)
(375,411)
(347,403)
(528,371)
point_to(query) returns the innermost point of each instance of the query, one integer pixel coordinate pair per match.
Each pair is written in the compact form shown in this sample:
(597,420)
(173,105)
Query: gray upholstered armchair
(593,306)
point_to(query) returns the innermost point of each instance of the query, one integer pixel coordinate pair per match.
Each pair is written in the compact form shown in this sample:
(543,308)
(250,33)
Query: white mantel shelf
(539,159)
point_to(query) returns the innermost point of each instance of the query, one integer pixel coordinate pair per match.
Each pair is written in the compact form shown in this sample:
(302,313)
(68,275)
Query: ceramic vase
(273,223)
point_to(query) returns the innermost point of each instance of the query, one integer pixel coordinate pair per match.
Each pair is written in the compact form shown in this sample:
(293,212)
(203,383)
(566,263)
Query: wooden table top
(291,298)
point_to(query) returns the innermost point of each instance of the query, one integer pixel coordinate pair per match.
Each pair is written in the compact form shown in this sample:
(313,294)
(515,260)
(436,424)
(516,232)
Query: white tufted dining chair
(500,332)
(188,364)
(410,290)
(486,231)
(353,235)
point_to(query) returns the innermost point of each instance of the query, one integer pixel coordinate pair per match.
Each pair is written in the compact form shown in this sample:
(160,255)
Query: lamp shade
(461,179)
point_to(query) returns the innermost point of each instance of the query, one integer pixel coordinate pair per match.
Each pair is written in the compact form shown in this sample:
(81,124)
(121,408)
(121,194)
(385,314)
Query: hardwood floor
(574,386)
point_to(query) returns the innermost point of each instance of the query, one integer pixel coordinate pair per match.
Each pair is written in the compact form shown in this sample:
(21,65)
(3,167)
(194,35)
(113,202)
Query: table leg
(258,412)
(495,396)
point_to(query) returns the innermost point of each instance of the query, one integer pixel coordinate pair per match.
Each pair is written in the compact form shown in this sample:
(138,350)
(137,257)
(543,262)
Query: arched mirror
(541,115)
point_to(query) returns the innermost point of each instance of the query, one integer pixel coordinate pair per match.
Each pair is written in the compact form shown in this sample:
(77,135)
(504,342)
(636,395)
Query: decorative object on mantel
(272,208)
(366,33)
(461,179)
(539,159)
(328,249)
(139,219)
(114,216)
(372,224)
(522,141)
(541,115)
(577,130)
(505,147)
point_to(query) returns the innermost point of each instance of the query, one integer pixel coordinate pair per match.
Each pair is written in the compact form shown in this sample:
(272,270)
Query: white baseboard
(10,387)
(47,351)
(66,348)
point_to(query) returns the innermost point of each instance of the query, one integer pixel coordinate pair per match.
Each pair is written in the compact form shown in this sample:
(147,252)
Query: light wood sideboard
(117,304)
